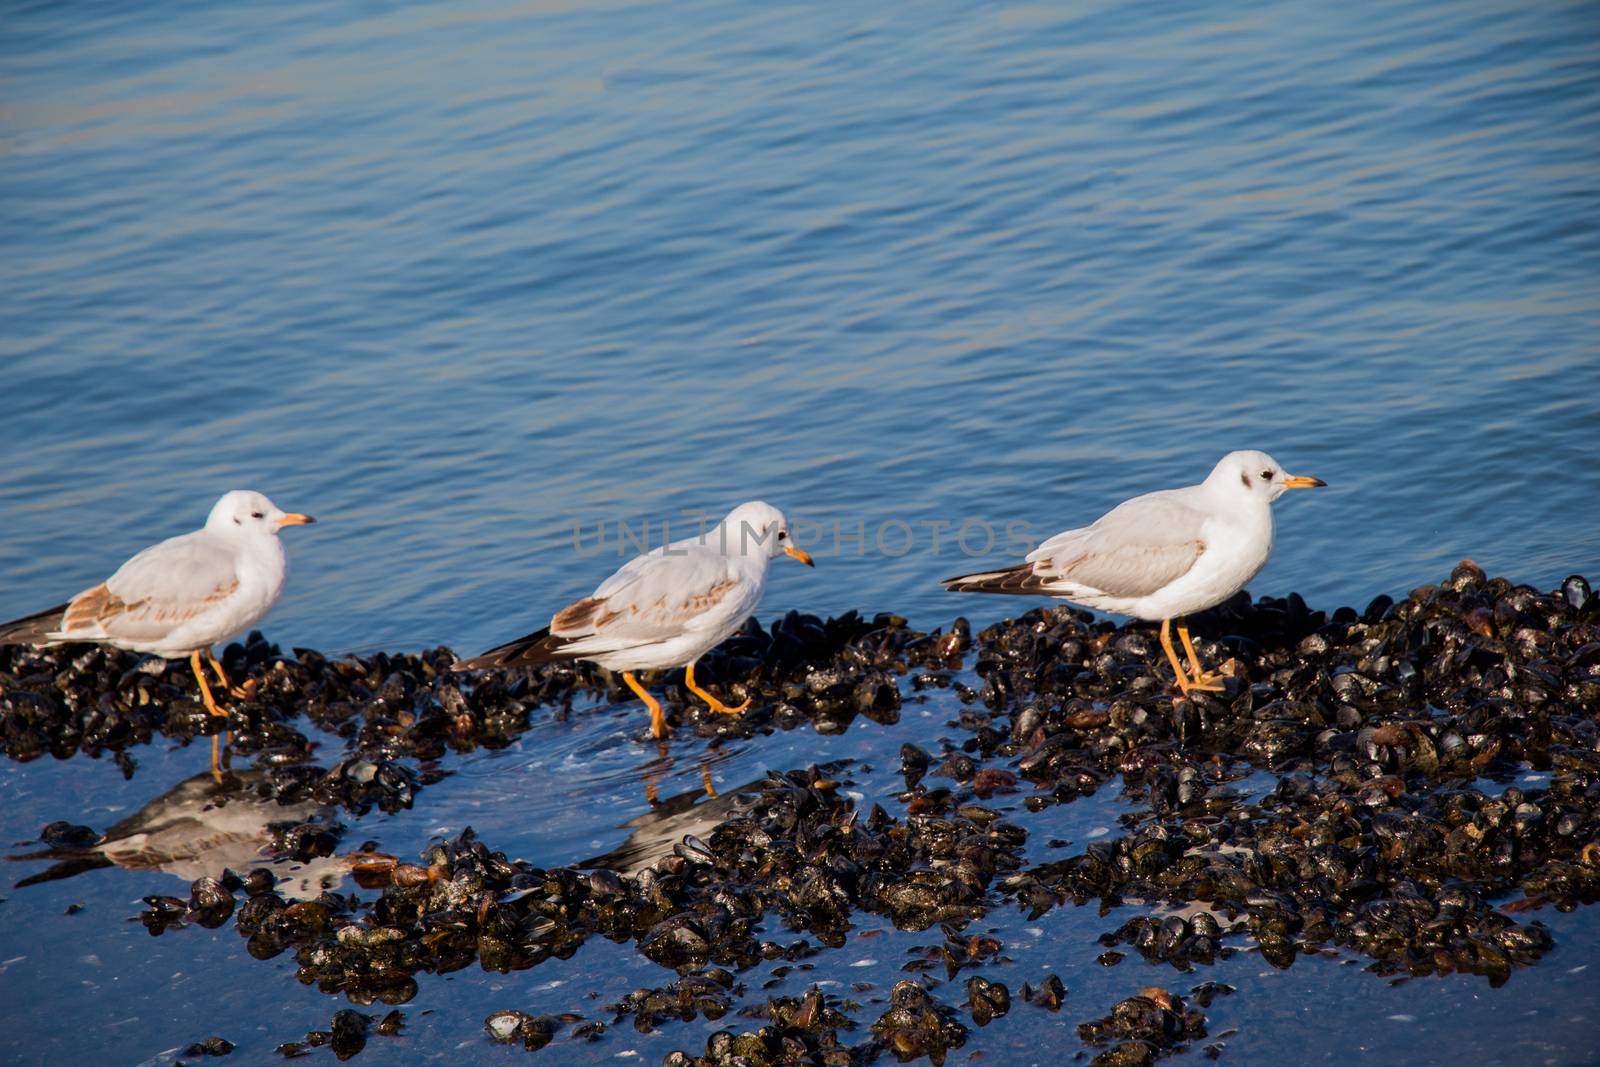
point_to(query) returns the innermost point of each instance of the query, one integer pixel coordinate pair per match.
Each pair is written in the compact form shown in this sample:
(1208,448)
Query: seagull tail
(1017,581)
(541,646)
(33,629)
(72,861)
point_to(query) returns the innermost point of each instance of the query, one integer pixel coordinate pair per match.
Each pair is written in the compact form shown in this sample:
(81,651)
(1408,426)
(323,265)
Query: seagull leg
(705,780)
(1172,656)
(205,690)
(211,706)
(1203,680)
(247,691)
(658,720)
(712,702)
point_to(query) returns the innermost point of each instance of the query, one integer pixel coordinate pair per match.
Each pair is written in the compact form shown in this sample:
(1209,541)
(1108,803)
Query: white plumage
(187,593)
(666,608)
(183,595)
(1162,555)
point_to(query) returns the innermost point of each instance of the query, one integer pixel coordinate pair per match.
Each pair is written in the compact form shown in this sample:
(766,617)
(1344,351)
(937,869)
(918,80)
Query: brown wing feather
(93,608)
(541,646)
(710,598)
(33,629)
(1017,581)
(581,617)
(99,611)
(577,620)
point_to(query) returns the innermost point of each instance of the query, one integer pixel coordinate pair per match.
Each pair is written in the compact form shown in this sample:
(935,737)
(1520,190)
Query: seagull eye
(1266,476)
(783,535)
(258,515)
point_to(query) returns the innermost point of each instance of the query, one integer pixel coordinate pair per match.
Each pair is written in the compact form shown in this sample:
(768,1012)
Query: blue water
(457,278)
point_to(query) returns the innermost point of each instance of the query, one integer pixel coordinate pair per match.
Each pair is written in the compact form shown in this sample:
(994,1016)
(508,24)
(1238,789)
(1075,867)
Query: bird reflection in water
(200,828)
(660,769)
(678,821)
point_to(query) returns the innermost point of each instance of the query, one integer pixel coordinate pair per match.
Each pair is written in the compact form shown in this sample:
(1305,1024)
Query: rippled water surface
(459,278)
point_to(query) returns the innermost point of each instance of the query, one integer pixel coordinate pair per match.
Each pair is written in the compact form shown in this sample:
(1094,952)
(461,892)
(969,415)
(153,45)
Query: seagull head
(758,529)
(244,511)
(1256,475)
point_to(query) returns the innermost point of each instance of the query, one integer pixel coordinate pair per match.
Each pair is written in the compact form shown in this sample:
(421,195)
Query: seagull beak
(800,554)
(294,518)
(1302,481)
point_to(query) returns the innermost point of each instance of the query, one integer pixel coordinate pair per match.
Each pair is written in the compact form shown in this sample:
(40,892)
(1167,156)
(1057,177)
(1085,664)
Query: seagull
(664,609)
(180,597)
(1162,555)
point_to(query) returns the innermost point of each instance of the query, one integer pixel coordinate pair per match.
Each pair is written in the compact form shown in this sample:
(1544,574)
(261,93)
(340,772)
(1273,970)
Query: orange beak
(1303,481)
(800,554)
(294,518)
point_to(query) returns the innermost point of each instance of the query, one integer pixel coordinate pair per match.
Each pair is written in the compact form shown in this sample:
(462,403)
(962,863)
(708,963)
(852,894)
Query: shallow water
(459,279)
(567,790)
(456,278)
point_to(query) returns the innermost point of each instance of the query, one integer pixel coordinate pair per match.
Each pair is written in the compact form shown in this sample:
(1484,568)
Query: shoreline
(1396,832)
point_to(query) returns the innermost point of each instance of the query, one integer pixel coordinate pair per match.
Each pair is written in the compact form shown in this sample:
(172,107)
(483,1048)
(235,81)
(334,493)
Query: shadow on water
(200,828)
(675,821)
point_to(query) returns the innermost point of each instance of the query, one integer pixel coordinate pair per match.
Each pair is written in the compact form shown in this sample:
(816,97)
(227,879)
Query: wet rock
(1179,941)
(1146,1027)
(533,1032)
(1396,804)
(917,1025)
(163,913)
(678,942)
(707,994)
(914,763)
(987,1000)
(1400,828)
(210,902)
(1048,994)
(349,1033)
(346,1035)
(211,1046)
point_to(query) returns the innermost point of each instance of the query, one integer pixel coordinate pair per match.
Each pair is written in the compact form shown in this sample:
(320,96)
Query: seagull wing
(1131,551)
(650,599)
(653,598)
(156,591)
(1135,549)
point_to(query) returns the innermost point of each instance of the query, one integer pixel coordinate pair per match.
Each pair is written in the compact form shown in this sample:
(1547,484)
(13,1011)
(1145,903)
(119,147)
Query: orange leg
(247,691)
(658,719)
(705,779)
(211,706)
(1203,680)
(1172,656)
(712,702)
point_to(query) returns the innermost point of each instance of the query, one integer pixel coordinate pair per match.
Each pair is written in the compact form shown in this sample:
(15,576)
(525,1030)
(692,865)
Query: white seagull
(664,609)
(180,597)
(1162,555)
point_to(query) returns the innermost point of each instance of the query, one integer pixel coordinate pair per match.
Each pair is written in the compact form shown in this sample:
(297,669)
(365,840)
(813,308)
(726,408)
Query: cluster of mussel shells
(1148,1026)
(1437,776)
(346,1034)
(1380,834)
(392,708)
